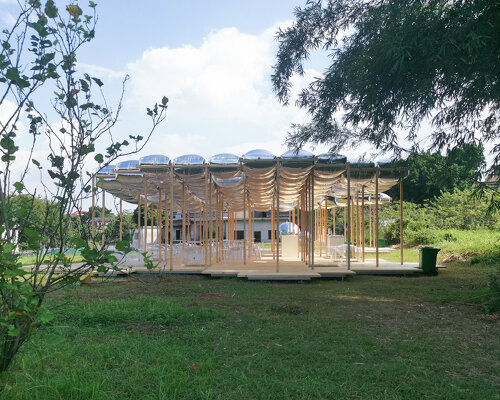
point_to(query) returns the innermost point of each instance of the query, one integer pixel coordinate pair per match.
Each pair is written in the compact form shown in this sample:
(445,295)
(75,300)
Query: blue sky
(212,59)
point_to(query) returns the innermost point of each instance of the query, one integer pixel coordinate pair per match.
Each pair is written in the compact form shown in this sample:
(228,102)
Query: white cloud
(220,94)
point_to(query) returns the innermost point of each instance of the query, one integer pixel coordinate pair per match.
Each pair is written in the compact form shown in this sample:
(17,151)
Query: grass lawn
(192,337)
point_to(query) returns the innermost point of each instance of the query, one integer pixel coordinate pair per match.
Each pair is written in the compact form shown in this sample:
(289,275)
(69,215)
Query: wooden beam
(205,227)
(121,219)
(171,217)
(139,222)
(363,219)
(93,212)
(273,226)
(159,224)
(103,219)
(183,222)
(334,212)
(325,225)
(152,222)
(370,215)
(349,225)
(244,224)
(217,226)
(166,229)
(145,216)
(313,239)
(377,173)
(401,219)
(210,222)
(278,209)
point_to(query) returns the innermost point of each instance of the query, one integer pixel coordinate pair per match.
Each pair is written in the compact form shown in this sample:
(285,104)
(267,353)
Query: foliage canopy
(395,64)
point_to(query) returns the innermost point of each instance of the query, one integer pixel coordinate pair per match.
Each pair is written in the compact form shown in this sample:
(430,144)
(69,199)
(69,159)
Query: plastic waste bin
(428,256)
(382,242)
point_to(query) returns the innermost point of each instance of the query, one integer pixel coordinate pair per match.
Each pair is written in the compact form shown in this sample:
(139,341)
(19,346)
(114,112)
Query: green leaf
(99,158)
(50,9)
(92,4)
(164,100)
(102,269)
(122,245)
(33,237)
(75,11)
(79,243)
(45,315)
(98,81)
(12,331)
(35,162)
(19,186)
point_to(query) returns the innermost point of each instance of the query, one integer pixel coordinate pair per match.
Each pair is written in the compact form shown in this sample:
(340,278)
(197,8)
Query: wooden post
(210,224)
(401,219)
(93,211)
(166,229)
(358,231)
(139,222)
(325,227)
(363,219)
(145,215)
(217,227)
(159,224)
(377,172)
(313,239)
(121,219)
(334,212)
(370,215)
(201,235)
(349,226)
(302,226)
(278,210)
(273,227)
(194,227)
(244,224)
(152,221)
(183,223)
(205,227)
(103,219)
(171,217)
(345,223)
(353,226)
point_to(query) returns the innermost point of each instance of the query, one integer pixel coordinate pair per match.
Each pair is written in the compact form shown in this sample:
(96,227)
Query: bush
(424,224)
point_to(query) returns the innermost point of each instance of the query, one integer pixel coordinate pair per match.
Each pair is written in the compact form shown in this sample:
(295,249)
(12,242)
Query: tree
(40,51)
(396,64)
(430,174)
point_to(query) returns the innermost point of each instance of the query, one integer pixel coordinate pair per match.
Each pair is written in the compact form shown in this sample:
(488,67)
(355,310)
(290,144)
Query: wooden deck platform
(290,269)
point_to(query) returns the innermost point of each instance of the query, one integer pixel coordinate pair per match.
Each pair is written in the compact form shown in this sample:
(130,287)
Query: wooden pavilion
(211,196)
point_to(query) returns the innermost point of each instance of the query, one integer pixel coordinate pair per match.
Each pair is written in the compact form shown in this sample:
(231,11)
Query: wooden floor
(290,269)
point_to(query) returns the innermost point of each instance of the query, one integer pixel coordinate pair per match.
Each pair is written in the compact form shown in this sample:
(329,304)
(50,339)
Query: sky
(212,59)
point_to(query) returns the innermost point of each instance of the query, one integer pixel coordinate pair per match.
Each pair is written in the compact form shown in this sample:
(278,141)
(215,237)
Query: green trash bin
(428,256)
(382,242)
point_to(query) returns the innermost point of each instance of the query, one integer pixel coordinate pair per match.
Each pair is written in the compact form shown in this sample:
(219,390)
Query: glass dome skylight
(127,164)
(332,158)
(189,159)
(297,154)
(107,170)
(258,154)
(225,159)
(154,159)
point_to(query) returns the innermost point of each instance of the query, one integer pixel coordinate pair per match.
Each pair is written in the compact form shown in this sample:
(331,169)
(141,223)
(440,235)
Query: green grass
(192,337)
(30,260)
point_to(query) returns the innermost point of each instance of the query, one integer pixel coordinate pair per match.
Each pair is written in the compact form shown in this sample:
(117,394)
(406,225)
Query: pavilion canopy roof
(194,182)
